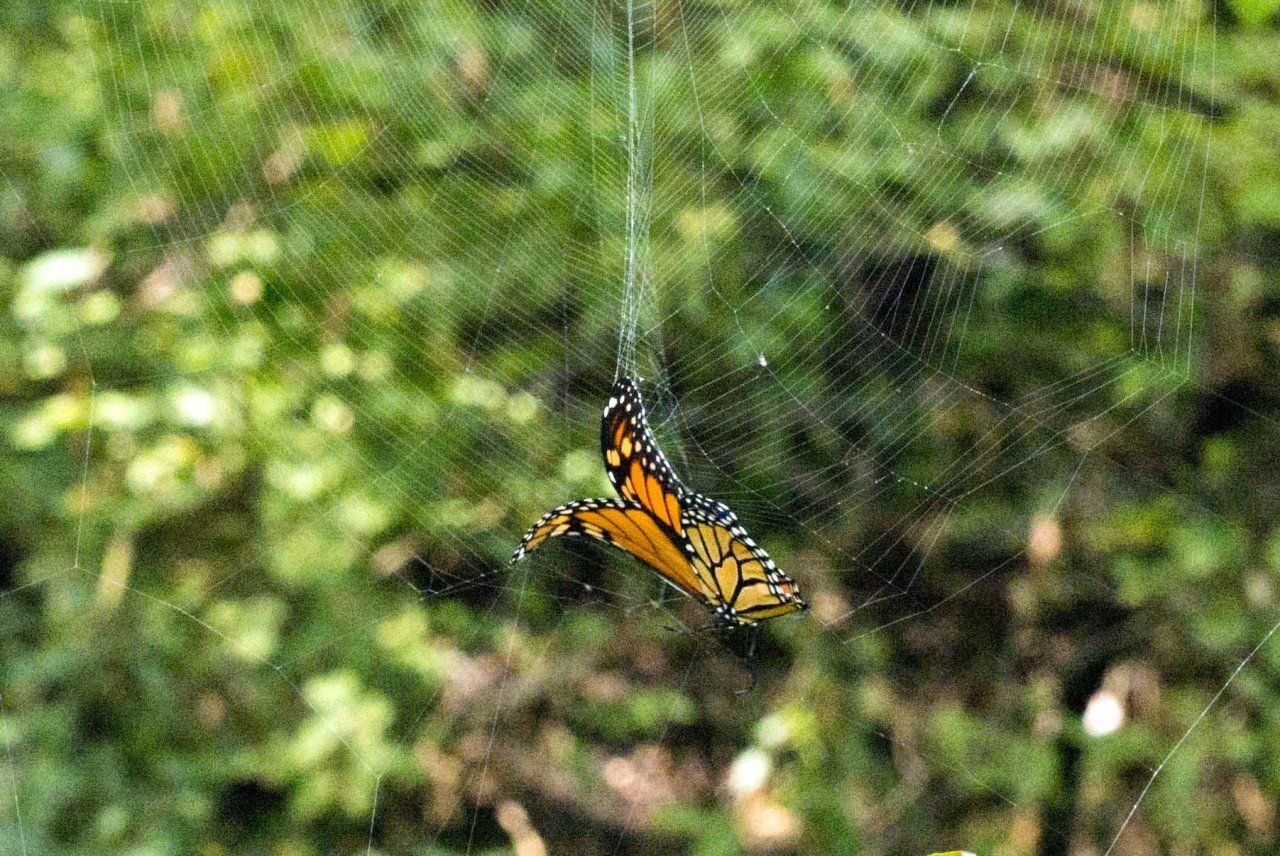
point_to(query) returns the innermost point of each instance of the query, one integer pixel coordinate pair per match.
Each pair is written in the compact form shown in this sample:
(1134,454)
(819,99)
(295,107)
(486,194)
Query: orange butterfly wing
(636,466)
(745,585)
(623,524)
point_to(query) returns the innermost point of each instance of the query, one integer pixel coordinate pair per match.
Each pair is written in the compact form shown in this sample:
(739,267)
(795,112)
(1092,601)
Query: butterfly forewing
(636,466)
(623,524)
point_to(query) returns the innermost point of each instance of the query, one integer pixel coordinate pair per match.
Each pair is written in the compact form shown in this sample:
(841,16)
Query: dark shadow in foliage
(1098,634)
(1225,408)
(894,293)
(468,580)
(20,609)
(249,810)
(584,582)
(475,832)
(10,557)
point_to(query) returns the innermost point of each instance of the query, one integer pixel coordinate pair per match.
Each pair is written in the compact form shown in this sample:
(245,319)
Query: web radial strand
(637,289)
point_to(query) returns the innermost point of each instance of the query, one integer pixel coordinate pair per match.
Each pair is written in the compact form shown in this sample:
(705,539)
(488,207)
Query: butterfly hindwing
(627,526)
(636,466)
(746,586)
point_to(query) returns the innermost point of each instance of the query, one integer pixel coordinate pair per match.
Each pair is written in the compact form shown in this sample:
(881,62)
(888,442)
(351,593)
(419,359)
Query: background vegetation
(310,310)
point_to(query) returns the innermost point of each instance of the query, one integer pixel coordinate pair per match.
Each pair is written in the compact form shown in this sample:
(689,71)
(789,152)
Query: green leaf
(1254,12)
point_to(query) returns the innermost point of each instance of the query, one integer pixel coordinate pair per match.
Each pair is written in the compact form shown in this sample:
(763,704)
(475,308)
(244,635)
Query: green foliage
(309,309)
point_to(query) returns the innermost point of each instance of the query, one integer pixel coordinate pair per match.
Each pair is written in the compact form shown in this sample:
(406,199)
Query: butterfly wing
(695,543)
(636,466)
(627,526)
(746,586)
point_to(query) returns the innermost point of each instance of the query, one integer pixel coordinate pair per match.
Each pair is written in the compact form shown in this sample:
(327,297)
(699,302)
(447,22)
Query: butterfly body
(694,542)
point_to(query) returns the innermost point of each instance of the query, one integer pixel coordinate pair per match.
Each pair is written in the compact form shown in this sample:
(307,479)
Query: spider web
(816,230)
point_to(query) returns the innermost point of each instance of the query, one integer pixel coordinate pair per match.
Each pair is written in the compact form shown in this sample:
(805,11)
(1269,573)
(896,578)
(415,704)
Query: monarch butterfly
(695,543)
